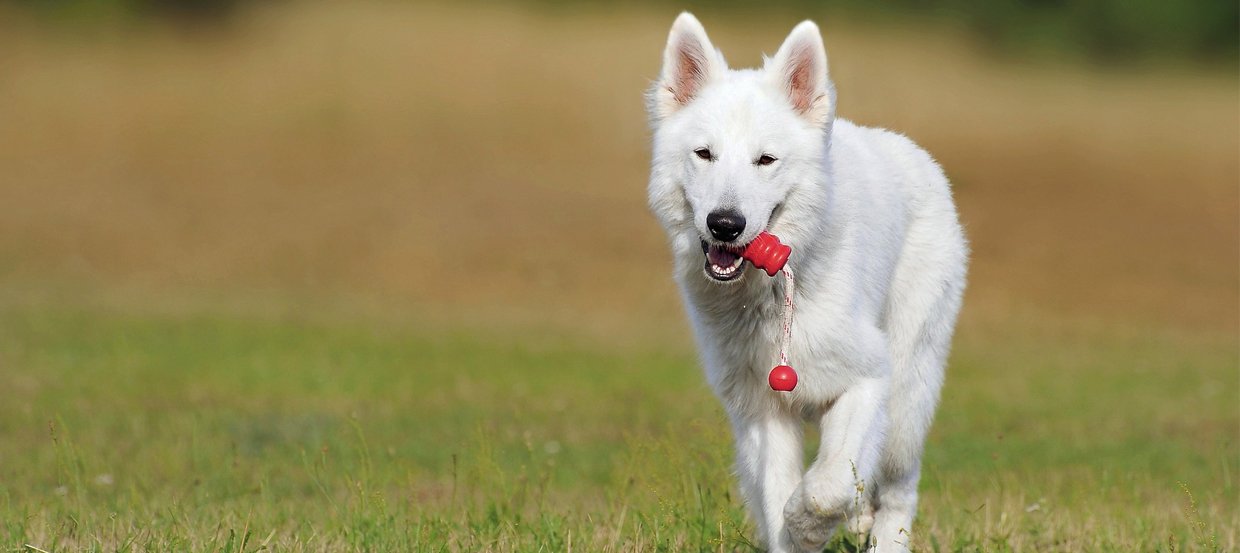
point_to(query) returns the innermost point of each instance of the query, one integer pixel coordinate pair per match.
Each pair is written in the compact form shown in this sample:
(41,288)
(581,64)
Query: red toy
(767,253)
(782,378)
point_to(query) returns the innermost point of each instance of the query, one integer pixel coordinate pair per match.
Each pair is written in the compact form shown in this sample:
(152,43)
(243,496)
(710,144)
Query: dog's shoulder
(885,143)
(896,152)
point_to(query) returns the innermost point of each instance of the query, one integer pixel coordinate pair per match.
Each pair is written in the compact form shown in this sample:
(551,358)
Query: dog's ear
(690,62)
(799,69)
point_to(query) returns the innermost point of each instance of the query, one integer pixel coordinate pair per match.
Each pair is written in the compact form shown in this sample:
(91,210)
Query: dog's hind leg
(900,464)
(920,331)
(769,462)
(900,468)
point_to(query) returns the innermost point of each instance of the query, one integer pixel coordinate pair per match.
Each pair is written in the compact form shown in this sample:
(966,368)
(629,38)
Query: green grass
(123,430)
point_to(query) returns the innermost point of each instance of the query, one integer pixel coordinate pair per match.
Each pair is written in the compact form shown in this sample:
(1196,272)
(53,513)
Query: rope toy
(768,254)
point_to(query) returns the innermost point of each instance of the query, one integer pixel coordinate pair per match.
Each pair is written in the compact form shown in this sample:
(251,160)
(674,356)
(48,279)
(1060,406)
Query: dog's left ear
(799,69)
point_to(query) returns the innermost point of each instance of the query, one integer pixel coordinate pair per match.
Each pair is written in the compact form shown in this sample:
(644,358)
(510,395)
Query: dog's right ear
(690,62)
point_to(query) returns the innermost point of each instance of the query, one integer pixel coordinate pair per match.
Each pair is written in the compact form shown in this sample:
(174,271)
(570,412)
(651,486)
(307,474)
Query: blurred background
(479,170)
(492,158)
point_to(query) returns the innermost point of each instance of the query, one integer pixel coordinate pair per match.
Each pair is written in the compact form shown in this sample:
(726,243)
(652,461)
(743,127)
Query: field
(253,292)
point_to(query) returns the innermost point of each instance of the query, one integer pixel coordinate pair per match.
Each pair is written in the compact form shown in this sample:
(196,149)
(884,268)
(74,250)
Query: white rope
(786,339)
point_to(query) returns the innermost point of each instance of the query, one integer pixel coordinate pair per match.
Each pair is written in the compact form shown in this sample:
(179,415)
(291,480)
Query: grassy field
(195,430)
(252,294)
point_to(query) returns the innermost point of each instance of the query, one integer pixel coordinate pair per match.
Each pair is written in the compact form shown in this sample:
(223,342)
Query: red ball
(782,378)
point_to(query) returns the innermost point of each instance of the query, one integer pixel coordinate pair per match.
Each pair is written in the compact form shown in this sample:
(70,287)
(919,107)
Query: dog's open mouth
(723,263)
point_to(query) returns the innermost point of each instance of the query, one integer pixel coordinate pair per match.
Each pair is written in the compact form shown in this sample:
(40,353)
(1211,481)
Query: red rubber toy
(767,253)
(782,378)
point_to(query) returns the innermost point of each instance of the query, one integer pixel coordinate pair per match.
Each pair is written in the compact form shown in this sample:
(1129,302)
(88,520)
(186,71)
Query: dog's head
(731,147)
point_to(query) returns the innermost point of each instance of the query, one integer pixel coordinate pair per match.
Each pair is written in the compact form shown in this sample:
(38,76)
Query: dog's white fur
(880,261)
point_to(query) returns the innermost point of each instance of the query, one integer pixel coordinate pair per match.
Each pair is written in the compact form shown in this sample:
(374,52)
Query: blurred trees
(1104,30)
(193,11)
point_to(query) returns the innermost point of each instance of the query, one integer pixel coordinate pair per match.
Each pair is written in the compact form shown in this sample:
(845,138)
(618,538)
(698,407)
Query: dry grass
(375,148)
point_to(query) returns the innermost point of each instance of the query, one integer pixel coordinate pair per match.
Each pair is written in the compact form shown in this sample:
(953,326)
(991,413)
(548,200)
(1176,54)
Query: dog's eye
(766,159)
(704,154)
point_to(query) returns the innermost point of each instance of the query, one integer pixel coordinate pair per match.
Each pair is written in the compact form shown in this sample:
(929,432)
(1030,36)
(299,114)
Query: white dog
(880,262)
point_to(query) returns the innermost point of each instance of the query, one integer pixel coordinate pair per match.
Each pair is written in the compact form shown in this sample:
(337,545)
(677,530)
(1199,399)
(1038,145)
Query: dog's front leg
(834,486)
(769,462)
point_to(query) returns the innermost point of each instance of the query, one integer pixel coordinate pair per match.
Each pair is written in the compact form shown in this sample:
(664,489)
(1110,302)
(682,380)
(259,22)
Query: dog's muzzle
(723,263)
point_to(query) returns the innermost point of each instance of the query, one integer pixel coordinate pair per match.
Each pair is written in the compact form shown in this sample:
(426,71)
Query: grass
(226,432)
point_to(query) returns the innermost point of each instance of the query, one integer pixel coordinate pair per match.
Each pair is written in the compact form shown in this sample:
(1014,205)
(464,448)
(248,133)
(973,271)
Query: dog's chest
(740,333)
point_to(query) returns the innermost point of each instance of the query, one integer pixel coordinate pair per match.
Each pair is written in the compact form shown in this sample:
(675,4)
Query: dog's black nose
(725,226)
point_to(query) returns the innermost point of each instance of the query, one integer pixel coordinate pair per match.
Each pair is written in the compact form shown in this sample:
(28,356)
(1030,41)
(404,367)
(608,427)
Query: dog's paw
(819,505)
(862,521)
(810,521)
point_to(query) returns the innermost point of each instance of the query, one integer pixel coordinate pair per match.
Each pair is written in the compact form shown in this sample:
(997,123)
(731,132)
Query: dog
(880,261)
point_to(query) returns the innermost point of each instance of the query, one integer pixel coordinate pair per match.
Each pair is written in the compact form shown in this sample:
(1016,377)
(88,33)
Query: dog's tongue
(720,257)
